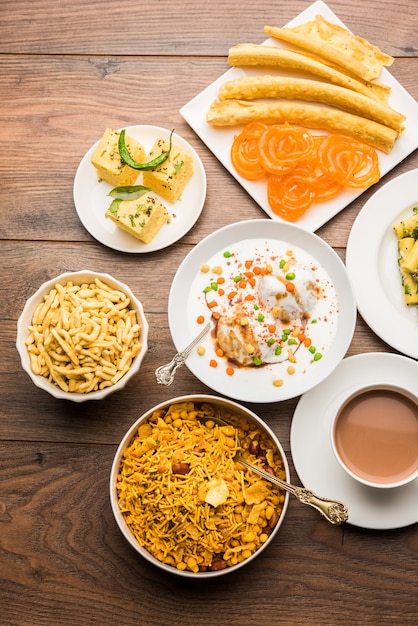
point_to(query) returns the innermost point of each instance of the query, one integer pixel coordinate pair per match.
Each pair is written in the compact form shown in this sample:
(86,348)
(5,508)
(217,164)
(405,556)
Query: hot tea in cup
(375,436)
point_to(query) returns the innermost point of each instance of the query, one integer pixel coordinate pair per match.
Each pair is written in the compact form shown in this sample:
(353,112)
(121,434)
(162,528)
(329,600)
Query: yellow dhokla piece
(142,218)
(106,159)
(170,178)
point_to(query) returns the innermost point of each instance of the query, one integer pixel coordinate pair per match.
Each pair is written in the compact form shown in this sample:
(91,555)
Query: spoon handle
(165,373)
(333,511)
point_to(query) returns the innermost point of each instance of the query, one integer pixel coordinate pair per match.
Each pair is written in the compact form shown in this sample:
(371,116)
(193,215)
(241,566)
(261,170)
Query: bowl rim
(26,315)
(128,536)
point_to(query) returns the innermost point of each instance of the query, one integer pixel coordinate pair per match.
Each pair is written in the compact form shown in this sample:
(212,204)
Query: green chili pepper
(128,160)
(128,192)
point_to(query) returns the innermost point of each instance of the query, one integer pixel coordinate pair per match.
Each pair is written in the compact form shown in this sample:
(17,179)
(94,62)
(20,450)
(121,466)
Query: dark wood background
(68,70)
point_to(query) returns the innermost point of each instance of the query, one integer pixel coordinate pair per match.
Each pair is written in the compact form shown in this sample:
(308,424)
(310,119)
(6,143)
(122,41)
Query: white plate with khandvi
(373,263)
(93,201)
(292,77)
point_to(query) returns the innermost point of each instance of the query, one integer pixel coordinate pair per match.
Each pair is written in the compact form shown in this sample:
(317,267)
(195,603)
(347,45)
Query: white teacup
(375,436)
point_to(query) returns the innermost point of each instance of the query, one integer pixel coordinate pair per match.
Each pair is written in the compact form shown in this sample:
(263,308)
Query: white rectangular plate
(219,140)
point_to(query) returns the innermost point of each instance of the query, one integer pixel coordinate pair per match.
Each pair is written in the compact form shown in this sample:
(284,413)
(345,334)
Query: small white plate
(372,263)
(313,457)
(219,140)
(91,199)
(256,384)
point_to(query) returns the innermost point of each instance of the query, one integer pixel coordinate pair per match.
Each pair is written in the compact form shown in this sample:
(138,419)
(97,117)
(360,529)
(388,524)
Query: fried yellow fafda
(336,44)
(236,112)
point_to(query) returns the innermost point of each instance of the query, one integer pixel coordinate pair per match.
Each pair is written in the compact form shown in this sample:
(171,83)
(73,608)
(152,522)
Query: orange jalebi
(348,161)
(281,146)
(245,156)
(302,168)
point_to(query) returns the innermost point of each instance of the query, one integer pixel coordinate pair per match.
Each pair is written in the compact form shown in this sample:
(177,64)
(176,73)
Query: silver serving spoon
(165,373)
(334,511)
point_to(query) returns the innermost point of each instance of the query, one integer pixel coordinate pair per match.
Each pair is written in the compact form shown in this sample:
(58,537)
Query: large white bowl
(25,320)
(221,403)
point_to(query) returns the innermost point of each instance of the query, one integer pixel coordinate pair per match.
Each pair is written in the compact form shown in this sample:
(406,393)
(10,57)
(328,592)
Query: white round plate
(372,264)
(313,457)
(91,199)
(256,384)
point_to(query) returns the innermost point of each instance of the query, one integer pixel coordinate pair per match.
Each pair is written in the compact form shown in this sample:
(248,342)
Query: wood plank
(189,28)
(77,102)
(68,70)
(66,563)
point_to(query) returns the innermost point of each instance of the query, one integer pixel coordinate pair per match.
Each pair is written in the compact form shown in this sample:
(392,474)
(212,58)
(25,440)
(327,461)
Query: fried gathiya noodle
(184,497)
(83,337)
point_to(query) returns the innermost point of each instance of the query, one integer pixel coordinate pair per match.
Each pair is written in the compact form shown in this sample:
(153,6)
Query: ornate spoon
(165,373)
(334,512)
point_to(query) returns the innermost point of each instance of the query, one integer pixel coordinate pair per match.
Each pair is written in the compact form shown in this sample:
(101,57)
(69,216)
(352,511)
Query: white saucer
(91,199)
(310,442)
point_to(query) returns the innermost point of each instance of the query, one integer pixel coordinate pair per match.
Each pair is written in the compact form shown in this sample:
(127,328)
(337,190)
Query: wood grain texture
(61,551)
(187,28)
(68,70)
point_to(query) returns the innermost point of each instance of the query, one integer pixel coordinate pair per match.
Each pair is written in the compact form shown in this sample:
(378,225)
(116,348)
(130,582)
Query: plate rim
(357,256)
(138,247)
(365,368)
(182,334)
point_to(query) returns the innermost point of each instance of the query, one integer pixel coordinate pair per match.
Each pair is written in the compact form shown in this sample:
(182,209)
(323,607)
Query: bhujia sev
(83,337)
(185,499)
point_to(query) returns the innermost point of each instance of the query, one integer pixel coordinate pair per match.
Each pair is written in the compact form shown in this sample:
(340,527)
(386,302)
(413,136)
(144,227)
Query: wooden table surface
(68,70)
